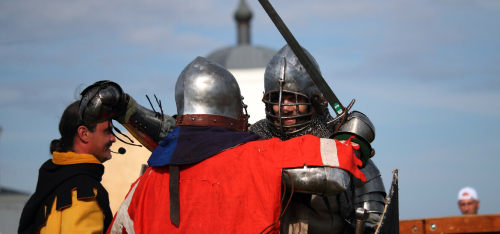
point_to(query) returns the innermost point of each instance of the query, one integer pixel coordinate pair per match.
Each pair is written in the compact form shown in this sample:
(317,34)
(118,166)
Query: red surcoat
(235,191)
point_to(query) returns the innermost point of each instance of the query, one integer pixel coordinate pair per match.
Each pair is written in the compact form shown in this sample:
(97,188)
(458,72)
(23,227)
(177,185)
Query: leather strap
(174,195)
(239,124)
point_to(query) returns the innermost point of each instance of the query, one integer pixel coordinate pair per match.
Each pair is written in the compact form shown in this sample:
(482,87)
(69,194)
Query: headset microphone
(121,150)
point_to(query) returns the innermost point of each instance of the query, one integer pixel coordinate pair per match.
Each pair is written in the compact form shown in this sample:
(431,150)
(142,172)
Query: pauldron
(371,194)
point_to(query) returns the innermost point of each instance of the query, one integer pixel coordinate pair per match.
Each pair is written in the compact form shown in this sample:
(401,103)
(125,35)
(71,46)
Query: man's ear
(83,134)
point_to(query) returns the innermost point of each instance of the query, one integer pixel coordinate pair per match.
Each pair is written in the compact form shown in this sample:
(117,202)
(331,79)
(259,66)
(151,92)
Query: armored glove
(363,130)
(356,163)
(106,100)
(361,146)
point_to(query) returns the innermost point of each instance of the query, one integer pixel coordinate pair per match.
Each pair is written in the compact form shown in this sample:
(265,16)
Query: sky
(425,72)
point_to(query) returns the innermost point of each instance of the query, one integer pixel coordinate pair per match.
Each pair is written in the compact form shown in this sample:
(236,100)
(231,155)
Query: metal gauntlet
(149,127)
(106,100)
(322,181)
(102,101)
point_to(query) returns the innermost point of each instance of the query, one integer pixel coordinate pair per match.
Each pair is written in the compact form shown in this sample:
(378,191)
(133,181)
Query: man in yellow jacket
(69,197)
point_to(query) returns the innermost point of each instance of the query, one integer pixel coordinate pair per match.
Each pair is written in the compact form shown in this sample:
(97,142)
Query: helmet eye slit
(297,105)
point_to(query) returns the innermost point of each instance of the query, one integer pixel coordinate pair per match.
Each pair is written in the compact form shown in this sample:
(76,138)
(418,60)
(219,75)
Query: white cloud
(424,95)
(8,95)
(151,35)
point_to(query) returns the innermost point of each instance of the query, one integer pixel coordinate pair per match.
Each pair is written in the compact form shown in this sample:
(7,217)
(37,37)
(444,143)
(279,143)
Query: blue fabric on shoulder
(193,144)
(163,153)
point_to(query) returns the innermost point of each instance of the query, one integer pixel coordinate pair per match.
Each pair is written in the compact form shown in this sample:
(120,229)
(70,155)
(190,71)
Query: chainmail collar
(317,127)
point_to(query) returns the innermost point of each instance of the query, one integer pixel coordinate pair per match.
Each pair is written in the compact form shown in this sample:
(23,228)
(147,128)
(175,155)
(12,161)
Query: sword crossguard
(346,110)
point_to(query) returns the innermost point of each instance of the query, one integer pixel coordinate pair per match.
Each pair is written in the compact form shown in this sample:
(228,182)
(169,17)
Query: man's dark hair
(68,127)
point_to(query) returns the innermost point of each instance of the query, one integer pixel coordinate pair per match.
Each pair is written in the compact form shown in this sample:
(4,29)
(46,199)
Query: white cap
(467,193)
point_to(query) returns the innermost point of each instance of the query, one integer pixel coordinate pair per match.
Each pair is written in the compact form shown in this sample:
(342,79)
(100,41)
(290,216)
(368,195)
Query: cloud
(425,95)
(74,35)
(385,41)
(41,96)
(445,40)
(34,21)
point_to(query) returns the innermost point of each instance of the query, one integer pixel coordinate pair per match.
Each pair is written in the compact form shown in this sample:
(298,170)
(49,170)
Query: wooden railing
(453,224)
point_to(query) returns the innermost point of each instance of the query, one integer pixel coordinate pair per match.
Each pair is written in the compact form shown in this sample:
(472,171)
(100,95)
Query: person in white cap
(468,201)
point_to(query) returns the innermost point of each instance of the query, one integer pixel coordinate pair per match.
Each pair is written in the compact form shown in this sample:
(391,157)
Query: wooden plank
(453,224)
(411,227)
(464,224)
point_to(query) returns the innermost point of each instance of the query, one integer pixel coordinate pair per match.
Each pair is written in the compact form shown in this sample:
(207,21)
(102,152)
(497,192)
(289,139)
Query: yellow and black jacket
(69,197)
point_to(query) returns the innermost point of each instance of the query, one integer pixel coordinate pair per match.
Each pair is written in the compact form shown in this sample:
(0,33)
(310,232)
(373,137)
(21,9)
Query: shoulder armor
(370,170)
(374,185)
(379,197)
(371,194)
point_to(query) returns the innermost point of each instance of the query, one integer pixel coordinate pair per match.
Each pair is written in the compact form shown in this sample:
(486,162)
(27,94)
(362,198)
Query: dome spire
(243,15)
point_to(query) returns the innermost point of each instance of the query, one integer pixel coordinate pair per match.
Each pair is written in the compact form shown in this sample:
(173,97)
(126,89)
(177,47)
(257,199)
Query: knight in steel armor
(202,173)
(295,107)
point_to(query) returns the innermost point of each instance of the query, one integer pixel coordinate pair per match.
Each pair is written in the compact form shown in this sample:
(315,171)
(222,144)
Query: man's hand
(351,163)
(105,100)
(362,146)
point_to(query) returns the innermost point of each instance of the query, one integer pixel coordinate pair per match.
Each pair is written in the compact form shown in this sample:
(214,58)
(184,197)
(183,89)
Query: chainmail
(317,127)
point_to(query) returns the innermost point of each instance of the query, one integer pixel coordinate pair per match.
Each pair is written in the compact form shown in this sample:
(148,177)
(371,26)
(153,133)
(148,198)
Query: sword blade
(303,58)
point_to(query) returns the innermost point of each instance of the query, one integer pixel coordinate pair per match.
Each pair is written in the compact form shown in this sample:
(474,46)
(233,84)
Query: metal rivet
(192,118)
(414,229)
(215,120)
(231,124)
(433,226)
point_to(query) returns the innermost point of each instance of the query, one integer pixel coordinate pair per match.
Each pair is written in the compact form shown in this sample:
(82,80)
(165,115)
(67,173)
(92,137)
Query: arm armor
(371,194)
(322,181)
(104,100)
(148,127)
